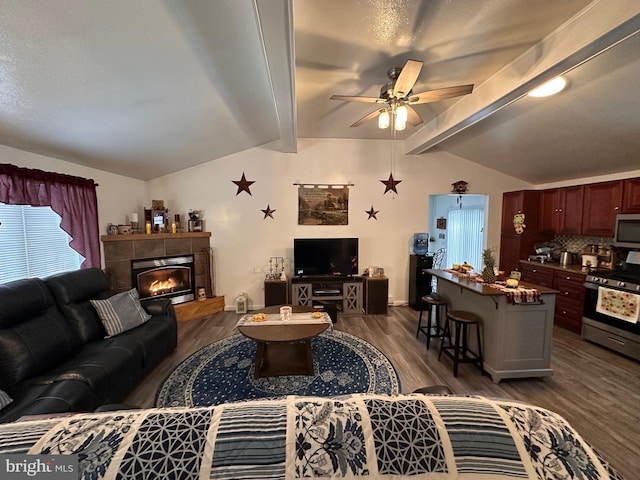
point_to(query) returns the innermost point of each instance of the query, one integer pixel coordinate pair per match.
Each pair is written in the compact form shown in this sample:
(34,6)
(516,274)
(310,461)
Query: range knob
(622,284)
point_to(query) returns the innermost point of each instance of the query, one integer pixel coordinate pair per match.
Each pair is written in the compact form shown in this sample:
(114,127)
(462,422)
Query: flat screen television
(325,256)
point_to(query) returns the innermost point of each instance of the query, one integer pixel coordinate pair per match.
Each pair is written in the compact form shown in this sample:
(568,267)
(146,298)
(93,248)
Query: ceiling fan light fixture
(549,88)
(402,115)
(383,119)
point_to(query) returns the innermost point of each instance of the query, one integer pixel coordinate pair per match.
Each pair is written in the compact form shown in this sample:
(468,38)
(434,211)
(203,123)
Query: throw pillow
(4,399)
(121,312)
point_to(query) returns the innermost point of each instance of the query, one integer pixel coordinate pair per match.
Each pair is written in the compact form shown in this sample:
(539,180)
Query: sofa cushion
(34,336)
(72,292)
(121,312)
(45,398)
(5,399)
(22,299)
(156,339)
(109,369)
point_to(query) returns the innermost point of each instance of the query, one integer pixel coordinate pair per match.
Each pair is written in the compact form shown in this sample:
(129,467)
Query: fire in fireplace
(170,277)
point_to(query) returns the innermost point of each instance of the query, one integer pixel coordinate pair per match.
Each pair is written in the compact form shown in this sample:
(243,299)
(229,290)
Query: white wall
(117,195)
(243,240)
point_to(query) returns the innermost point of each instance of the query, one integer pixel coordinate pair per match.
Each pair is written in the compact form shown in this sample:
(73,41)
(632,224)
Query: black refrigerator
(419,281)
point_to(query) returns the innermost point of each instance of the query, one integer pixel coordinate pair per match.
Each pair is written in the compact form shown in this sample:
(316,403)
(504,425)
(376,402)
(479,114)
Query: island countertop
(479,287)
(516,336)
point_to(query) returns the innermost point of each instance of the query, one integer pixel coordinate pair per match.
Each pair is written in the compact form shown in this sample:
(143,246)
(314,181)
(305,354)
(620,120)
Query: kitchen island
(516,336)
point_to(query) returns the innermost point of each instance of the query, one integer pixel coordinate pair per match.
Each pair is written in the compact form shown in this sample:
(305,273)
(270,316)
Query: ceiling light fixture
(551,87)
(383,119)
(400,116)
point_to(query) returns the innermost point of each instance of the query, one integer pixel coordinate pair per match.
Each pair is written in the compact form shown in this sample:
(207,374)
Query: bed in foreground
(379,436)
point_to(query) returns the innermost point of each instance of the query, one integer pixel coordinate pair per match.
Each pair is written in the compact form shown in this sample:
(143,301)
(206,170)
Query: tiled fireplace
(120,250)
(170,277)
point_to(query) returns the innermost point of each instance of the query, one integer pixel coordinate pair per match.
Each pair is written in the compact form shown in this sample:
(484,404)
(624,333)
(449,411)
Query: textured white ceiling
(150,87)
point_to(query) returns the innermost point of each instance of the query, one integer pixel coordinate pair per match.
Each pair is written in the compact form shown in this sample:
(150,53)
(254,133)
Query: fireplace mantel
(119,250)
(153,236)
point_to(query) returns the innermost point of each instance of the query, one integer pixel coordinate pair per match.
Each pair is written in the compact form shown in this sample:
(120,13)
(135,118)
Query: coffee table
(283,349)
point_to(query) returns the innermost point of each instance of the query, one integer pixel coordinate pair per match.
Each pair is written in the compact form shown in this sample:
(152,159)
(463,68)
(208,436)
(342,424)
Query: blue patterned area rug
(224,372)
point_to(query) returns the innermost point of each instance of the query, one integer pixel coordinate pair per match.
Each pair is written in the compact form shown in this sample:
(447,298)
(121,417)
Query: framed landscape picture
(323,205)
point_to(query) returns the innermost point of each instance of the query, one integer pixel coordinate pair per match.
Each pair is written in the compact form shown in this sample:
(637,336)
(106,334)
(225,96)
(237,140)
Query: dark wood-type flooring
(596,390)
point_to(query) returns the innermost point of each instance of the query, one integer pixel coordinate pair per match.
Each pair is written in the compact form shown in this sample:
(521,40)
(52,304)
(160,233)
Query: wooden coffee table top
(283,333)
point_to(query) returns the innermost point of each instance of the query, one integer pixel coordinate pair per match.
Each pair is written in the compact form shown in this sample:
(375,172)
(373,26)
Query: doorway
(457,225)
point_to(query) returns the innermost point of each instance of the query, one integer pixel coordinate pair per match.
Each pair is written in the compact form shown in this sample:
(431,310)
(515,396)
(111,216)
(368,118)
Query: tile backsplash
(576,243)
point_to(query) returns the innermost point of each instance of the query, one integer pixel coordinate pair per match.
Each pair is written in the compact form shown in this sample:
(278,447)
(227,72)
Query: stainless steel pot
(566,258)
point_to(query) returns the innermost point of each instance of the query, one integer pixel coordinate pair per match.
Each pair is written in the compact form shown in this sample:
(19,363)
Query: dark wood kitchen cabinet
(631,196)
(602,202)
(549,200)
(513,246)
(569,300)
(539,275)
(561,210)
(570,296)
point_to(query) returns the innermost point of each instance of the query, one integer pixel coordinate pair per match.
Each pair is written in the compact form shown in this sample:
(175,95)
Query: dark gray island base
(516,337)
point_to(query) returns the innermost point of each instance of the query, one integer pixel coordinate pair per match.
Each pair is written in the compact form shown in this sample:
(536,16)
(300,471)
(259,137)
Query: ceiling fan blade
(366,118)
(413,118)
(351,98)
(440,94)
(407,78)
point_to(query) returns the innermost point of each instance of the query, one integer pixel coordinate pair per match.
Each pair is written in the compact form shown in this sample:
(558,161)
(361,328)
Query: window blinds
(32,244)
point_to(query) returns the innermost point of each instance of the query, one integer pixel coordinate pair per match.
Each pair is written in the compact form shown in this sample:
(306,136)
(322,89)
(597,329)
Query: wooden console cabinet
(376,295)
(276,292)
(344,293)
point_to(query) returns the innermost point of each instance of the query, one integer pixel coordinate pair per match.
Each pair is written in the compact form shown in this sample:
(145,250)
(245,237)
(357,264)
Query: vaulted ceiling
(150,87)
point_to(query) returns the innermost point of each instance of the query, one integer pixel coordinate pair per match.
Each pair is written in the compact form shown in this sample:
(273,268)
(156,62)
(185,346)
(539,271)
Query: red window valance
(73,198)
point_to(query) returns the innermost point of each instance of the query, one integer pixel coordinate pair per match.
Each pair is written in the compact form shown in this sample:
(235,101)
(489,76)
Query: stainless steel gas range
(611,307)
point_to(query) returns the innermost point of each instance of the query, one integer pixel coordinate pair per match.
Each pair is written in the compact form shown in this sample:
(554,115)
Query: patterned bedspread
(374,436)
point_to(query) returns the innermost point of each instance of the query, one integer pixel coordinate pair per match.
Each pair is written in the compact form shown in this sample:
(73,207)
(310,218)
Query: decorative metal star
(243,185)
(268,212)
(390,185)
(372,213)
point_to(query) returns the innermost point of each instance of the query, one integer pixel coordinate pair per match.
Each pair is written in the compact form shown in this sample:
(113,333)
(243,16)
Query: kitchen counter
(516,337)
(556,266)
(481,288)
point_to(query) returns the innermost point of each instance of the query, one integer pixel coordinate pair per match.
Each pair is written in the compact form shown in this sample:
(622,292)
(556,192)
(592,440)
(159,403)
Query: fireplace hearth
(170,277)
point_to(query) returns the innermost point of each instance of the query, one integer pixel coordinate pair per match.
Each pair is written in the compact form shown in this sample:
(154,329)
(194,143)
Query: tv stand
(343,292)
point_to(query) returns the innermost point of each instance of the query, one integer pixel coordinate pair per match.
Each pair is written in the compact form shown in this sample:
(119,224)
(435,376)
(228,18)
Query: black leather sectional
(54,356)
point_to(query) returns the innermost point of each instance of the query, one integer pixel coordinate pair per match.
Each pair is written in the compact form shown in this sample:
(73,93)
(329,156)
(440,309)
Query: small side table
(376,295)
(276,292)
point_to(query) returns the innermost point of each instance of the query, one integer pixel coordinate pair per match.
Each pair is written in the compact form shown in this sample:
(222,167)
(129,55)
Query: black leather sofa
(54,356)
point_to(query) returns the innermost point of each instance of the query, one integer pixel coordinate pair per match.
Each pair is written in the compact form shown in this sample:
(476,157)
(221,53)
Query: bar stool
(458,350)
(429,303)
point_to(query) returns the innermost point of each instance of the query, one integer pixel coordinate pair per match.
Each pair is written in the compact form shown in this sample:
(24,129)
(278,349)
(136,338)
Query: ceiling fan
(397,97)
